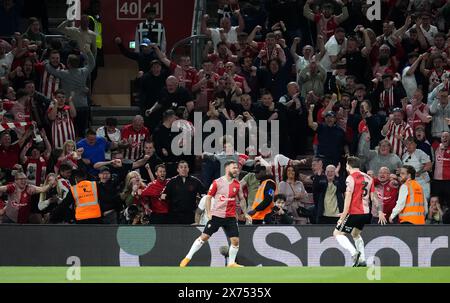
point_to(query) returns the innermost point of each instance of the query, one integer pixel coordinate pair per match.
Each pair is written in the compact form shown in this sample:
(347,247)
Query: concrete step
(121,120)
(114,111)
(95,127)
(111,100)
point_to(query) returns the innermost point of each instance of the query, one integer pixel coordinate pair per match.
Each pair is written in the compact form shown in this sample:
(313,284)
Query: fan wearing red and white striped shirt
(62,114)
(442,155)
(50,83)
(277,164)
(396,130)
(135,135)
(441,182)
(35,165)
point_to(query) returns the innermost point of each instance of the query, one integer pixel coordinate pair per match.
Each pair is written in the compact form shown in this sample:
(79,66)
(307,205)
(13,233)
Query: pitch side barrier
(276,245)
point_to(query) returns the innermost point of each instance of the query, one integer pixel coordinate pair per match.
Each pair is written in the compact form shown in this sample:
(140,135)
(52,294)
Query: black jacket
(162,137)
(320,185)
(143,60)
(374,124)
(150,88)
(109,198)
(274,218)
(182,196)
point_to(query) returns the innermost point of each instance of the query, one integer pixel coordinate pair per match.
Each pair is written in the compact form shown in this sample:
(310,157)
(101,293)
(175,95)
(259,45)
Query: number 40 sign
(135,9)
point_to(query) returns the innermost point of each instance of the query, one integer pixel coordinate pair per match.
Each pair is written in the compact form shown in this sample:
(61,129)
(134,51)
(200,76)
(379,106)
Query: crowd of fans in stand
(347,86)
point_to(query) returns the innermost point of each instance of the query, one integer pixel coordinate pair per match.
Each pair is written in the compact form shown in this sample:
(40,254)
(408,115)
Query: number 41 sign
(135,9)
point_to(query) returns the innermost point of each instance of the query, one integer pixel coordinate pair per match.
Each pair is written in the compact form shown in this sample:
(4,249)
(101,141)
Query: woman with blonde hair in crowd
(134,186)
(49,200)
(69,155)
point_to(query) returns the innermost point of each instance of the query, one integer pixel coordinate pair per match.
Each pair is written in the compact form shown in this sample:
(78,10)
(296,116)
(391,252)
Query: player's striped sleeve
(213,189)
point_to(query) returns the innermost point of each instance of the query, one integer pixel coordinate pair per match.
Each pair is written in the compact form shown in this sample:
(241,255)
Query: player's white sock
(232,253)
(345,243)
(198,243)
(359,243)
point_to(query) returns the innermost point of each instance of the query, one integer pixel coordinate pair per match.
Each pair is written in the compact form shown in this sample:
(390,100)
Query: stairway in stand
(123,114)
(112,91)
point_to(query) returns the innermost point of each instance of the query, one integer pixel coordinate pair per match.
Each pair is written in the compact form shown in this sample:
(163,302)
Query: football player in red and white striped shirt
(226,191)
(62,112)
(396,131)
(356,213)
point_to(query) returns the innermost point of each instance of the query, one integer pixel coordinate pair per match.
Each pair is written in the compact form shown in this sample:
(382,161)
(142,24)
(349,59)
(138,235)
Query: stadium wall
(120,18)
(102,245)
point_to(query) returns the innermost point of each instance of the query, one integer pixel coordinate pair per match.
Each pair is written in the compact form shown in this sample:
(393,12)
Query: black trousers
(90,221)
(82,121)
(99,62)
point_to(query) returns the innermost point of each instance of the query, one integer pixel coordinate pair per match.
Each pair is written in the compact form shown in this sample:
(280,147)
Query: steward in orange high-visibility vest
(263,203)
(414,211)
(85,200)
(411,203)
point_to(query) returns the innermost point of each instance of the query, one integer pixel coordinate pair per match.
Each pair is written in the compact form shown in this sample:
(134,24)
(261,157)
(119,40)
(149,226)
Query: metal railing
(197,42)
(197,39)
(199,10)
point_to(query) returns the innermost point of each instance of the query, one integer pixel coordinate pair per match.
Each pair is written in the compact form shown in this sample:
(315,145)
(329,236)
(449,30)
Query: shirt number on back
(365,190)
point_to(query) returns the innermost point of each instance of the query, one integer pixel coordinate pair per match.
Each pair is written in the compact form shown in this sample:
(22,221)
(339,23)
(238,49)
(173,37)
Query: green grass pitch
(224,275)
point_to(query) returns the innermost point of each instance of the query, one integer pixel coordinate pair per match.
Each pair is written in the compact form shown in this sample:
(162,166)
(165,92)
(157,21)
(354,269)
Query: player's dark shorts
(229,225)
(354,221)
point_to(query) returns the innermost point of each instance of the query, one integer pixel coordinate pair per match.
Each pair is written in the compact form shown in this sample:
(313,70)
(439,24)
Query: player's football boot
(356,258)
(362,264)
(184,262)
(234,265)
